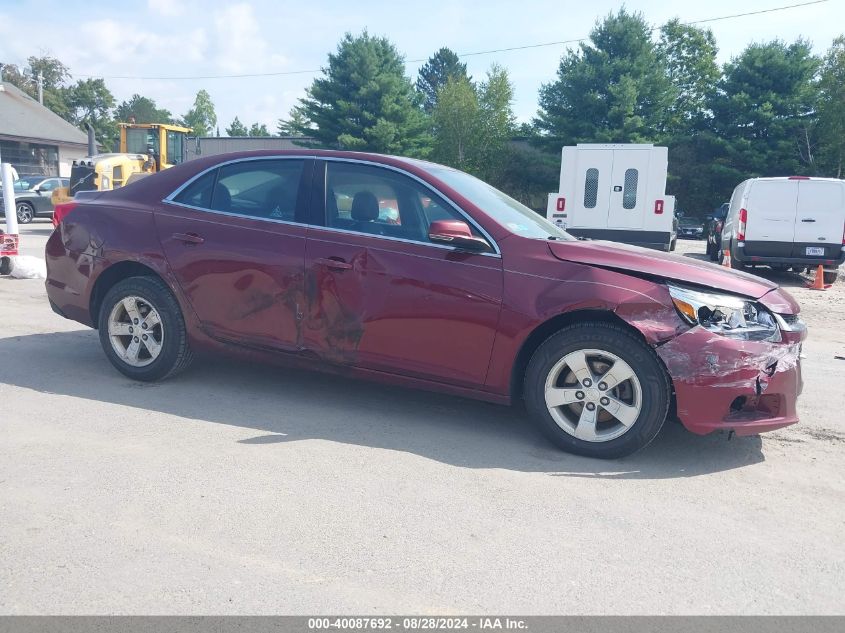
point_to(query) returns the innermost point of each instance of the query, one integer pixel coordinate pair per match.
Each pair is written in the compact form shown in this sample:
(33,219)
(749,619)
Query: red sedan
(416,274)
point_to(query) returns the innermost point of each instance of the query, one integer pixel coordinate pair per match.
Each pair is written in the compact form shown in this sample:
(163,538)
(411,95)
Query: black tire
(830,276)
(175,354)
(672,245)
(653,380)
(5,265)
(25,212)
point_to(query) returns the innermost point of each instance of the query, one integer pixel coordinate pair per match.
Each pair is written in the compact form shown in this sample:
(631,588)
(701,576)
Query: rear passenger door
(235,240)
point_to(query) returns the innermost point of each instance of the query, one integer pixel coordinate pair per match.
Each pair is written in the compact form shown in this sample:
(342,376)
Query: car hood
(626,258)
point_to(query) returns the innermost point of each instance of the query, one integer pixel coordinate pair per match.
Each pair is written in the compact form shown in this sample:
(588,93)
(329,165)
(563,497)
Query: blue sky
(179,38)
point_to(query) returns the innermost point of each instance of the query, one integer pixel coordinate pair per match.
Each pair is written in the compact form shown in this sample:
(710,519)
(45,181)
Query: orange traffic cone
(818,282)
(726,260)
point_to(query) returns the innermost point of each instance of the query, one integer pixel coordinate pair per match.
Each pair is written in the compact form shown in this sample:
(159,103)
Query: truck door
(628,189)
(818,222)
(592,189)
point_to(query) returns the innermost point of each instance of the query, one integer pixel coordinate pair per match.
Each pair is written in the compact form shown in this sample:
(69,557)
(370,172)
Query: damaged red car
(416,274)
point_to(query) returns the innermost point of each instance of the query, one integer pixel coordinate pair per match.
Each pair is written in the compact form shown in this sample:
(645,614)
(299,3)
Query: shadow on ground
(285,405)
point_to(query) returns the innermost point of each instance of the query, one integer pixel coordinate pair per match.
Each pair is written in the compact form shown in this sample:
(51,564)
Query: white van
(796,222)
(615,192)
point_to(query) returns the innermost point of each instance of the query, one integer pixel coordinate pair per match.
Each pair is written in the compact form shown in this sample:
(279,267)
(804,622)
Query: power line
(471,54)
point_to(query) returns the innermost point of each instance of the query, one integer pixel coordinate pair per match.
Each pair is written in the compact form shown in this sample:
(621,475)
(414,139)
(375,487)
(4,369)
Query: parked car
(690,229)
(713,230)
(793,222)
(294,256)
(33,197)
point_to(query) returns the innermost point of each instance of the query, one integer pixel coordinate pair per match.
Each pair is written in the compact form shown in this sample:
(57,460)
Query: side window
(629,191)
(264,189)
(591,188)
(378,201)
(48,185)
(198,193)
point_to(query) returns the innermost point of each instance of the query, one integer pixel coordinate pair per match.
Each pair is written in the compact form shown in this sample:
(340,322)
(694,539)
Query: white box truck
(788,222)
(615,192)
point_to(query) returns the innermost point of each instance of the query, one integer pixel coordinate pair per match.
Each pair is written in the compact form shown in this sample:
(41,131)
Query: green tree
(613,89)
(202,118)
(364,101)
(436,72)
(689,56)
(455,116)
(89,101)
(237,128)
(495,124)
(831,110)
(764,110)
(54,75)
(297,124)
(143,109)
(258,130)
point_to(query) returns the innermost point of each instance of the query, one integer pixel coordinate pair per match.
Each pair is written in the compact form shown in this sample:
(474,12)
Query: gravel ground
(236,489)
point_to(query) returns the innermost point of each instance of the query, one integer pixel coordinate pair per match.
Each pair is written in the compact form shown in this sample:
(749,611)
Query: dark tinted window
(198,193)
(591,188)
(264,189)
(259,188)
(379,201)
(629,193)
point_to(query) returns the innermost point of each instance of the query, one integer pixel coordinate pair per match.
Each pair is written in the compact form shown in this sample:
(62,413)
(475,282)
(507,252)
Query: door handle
(808,220)
(188,238)
(332,262)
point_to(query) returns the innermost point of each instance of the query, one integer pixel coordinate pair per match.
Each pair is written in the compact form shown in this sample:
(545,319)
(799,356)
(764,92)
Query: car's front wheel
(597,390)
(142,330)
(25,212)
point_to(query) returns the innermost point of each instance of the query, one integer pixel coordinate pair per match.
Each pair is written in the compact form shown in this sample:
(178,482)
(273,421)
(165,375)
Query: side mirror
(456,233)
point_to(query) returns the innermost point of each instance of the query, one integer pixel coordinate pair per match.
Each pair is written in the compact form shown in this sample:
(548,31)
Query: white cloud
(168,8)
(240,46)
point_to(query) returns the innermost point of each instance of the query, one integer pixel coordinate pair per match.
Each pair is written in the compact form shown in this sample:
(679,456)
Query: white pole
(9,199)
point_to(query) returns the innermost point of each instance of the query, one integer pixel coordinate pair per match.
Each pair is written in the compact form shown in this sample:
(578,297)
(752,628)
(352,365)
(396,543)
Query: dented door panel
(413,309)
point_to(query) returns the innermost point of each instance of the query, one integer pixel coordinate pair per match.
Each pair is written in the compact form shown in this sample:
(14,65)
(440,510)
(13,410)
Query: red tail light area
(561,204)
(658,207)
(61,211)
(743,220)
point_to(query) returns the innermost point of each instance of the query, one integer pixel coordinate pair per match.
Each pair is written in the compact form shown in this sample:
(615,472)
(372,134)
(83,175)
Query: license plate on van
(815,250)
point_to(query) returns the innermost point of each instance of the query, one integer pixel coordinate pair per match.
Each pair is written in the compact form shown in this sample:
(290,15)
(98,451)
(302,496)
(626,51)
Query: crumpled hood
(623,257)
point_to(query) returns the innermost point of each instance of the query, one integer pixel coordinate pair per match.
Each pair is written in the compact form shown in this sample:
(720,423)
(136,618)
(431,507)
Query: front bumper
(726,384)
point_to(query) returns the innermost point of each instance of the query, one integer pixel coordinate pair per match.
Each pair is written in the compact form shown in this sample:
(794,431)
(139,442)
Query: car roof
(155,188)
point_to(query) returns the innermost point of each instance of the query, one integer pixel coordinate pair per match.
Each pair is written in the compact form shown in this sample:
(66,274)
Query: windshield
(142,141)
(502,208)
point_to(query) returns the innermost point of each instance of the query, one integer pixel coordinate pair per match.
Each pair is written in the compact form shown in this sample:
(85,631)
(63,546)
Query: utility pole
(40,87)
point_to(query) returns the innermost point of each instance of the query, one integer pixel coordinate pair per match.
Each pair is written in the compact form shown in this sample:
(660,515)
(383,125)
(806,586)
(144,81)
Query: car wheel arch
(114,274)
(549,328)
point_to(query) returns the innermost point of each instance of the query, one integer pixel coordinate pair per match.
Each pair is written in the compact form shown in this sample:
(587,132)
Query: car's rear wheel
(142,330)
(596,389)
(25,212)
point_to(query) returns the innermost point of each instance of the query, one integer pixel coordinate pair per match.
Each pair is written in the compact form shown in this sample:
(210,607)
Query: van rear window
(629,192)
(591,188)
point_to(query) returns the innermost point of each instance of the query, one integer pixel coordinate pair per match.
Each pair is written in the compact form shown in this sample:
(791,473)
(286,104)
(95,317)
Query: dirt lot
(240,489)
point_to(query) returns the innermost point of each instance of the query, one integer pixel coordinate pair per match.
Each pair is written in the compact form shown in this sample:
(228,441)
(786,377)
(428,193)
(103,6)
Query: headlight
(725,314)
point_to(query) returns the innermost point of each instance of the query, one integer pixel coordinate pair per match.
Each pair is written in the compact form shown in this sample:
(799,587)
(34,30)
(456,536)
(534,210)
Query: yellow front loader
(145,148)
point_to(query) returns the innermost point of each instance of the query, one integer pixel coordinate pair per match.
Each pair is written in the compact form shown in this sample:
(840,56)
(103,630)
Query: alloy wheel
(136,331)
(24,213)
(593,395)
